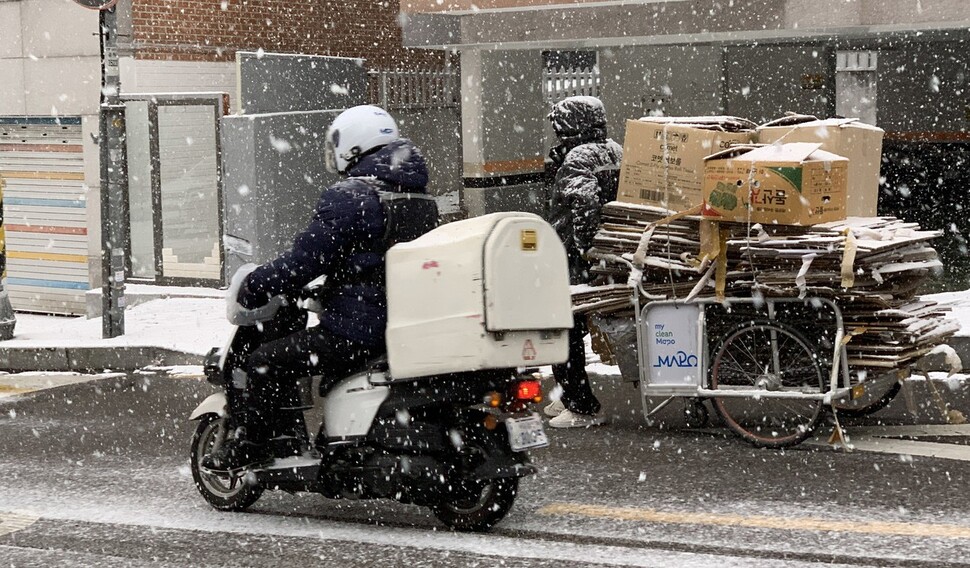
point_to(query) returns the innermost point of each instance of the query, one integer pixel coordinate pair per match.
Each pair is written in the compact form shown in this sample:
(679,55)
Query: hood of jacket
(578,120)
(398,163)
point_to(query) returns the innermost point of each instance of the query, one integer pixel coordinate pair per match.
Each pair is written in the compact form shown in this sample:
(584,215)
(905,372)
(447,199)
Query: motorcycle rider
(586,166)
(346,240)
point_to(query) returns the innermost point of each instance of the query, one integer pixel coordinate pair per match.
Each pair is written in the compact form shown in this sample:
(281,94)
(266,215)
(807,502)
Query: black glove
(552,163)
(246,298)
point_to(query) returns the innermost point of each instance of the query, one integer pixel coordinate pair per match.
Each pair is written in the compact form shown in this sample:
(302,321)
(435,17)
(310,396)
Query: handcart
(769,366)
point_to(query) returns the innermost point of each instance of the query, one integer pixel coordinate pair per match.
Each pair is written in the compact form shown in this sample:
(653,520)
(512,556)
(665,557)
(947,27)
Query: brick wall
(212,30)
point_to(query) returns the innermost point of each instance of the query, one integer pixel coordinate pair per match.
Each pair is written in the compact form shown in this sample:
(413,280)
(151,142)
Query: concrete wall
(277,82)
(672,80)
(50,66)
(49,59)
(503,131)
(840,14)
(571,26)
(503,112)
(924,88)
(270,189)
(922,85)
(156,76)
(437,132)
(765,81)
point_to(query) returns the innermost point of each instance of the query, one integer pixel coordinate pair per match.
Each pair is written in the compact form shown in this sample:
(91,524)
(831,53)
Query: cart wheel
(879,392)
(767,356)
(696,414)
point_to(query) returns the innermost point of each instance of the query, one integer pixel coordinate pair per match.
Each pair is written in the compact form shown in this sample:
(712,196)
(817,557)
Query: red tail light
(528,390)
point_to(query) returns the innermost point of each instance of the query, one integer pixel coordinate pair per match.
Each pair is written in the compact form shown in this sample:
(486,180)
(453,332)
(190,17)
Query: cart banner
(671,341)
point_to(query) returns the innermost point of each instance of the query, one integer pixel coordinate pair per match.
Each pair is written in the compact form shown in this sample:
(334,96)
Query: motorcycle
(445,420)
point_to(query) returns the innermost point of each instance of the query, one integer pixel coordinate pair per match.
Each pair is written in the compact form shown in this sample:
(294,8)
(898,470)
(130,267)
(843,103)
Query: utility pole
(114,174)
(7,318)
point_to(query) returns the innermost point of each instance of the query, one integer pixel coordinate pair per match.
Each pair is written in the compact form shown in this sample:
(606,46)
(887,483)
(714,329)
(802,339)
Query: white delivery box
(485,293)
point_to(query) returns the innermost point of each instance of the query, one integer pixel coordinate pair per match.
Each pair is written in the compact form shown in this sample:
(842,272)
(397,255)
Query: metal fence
(560,83)
(413,89)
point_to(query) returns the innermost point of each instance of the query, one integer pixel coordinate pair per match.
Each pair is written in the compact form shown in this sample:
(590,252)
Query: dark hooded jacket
(345,242)
(585,170)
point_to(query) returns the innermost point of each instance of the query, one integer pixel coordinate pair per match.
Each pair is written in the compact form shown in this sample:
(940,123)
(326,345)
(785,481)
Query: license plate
(526,432)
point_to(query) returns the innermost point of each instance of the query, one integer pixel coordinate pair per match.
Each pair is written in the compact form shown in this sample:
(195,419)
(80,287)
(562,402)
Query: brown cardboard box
(785,184)
(857,141)
(663,157)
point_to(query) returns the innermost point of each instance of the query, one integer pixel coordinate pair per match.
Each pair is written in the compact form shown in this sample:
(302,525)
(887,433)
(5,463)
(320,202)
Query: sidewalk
(172,330)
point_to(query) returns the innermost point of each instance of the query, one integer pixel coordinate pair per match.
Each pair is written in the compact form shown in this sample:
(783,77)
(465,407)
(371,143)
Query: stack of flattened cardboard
(893,337)
(871,267)
(691,193)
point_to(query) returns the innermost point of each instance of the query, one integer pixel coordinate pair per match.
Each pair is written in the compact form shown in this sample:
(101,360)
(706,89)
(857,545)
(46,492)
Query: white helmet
(356,131)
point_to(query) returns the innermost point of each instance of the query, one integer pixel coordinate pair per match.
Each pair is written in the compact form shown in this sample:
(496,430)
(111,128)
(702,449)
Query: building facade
(178,68)
(899,64)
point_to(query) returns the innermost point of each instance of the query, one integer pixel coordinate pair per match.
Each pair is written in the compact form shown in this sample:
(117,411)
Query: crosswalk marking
(21,383)
(13,522)
(758,521)
(7,390)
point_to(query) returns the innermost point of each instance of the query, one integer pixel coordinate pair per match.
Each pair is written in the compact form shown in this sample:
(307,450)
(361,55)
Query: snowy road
(95,474)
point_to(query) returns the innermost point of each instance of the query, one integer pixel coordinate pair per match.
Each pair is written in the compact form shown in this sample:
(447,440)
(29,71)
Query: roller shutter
(45,209)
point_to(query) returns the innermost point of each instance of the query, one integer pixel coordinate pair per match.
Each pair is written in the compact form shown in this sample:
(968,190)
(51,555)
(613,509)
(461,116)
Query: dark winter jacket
(345,241)
(587,170)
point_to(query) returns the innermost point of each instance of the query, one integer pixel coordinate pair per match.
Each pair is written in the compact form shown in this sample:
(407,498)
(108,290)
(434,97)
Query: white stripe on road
(886,440)
(13,522)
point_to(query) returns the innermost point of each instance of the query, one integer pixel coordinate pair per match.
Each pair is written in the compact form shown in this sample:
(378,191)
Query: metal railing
(560,83)
(413,89)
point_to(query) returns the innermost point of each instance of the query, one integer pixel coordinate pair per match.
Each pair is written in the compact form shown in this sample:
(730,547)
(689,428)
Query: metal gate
(45,209)
(174,188)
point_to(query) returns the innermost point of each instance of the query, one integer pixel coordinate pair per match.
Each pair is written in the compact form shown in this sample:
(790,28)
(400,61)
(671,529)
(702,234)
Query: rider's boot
(236,453)
(245,448)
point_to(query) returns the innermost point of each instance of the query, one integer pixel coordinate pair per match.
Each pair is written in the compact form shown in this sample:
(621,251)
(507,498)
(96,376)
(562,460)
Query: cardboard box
(859,142)
(785,184)
(663,157)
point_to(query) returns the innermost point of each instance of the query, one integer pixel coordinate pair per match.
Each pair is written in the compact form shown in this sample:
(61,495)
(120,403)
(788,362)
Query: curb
(91,359)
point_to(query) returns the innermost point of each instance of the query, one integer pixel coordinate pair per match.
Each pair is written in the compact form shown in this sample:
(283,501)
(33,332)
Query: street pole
(7,318)
(114,180)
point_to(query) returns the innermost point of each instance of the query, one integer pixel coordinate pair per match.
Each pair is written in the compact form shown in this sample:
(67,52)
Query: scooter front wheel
(224,491)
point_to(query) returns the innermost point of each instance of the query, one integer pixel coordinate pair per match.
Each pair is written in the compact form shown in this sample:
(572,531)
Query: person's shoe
(235,454)
(570,419)
(554,409)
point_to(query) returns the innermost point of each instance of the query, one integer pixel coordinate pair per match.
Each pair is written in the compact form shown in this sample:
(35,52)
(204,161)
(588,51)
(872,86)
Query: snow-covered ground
(190,325)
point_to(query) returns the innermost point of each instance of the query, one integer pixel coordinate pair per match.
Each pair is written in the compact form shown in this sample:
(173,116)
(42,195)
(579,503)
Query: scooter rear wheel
(477,505)
(224,491)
